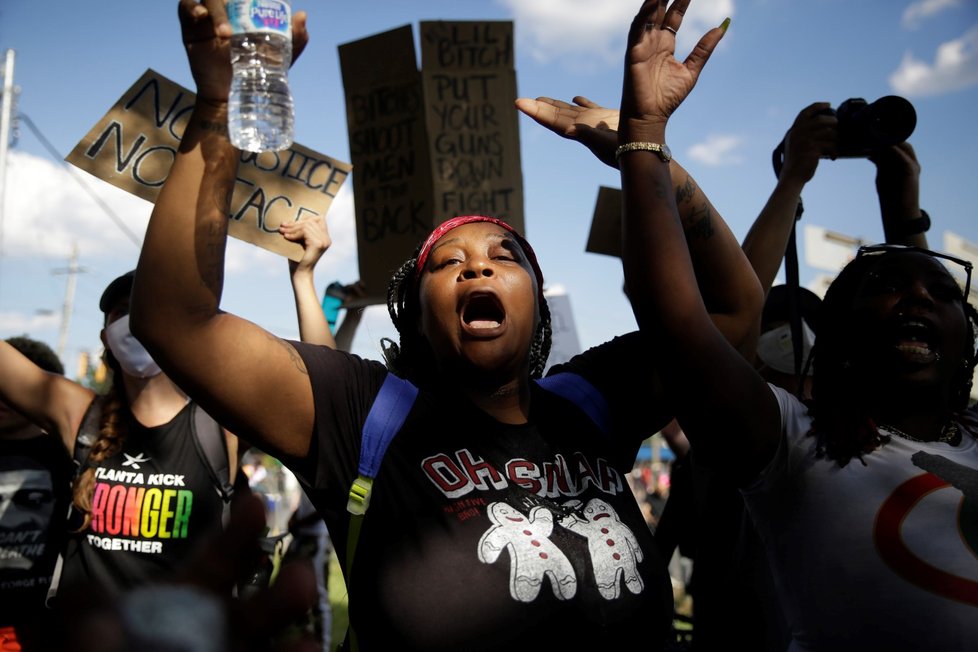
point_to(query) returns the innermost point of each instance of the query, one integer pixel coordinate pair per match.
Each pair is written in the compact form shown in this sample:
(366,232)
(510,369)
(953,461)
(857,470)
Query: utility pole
(6,111)
(72,271)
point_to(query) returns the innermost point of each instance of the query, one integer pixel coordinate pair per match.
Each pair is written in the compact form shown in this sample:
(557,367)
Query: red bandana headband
(448,225)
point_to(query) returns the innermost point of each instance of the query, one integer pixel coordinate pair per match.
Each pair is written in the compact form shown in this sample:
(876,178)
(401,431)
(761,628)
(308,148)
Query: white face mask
(776,351)
(133,358)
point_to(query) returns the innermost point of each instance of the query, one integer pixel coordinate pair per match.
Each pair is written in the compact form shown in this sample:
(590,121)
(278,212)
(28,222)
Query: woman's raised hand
(207,38)
(655,82)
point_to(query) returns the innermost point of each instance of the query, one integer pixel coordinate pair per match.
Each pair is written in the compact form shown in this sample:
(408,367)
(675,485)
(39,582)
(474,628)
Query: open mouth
(483,312)
(916,338)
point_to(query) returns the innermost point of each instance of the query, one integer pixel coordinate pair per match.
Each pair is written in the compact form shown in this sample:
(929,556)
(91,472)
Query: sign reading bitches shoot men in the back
(429,144)
(134,145)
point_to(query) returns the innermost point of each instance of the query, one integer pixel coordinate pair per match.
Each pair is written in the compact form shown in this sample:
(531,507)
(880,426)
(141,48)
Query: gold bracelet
(661,149)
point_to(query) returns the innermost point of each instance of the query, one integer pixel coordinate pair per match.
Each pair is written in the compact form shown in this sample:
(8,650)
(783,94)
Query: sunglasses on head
(881,249)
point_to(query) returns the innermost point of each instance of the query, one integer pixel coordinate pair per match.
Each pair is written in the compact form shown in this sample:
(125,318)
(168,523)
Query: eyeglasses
(881,249)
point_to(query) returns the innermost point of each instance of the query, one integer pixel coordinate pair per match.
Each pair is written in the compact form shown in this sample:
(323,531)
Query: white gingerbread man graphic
(615,552)
(531,553)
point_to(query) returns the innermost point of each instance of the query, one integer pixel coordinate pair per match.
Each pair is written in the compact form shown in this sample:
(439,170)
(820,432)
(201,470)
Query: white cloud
(717,150)
(14,322)
(919,11)
(955,67)
(47,212)
(592,34)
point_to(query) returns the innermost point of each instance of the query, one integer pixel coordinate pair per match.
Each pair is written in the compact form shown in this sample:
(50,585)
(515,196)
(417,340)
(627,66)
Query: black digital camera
(865,127)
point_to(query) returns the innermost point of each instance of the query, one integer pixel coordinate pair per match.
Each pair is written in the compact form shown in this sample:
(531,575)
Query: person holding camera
(818,133)
(863,498)
(877,132)
(735,594)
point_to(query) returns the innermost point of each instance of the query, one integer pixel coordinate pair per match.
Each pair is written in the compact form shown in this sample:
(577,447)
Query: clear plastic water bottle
(260,110)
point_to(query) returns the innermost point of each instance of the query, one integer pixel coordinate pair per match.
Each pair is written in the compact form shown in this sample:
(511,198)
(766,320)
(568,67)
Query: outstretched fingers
(580,100)
(201,21)
(673,19)
(300,34)
(705,47)
(553,114)
(649,16)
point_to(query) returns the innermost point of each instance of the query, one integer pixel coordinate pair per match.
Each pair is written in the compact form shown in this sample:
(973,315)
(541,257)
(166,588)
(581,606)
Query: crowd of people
(826,462)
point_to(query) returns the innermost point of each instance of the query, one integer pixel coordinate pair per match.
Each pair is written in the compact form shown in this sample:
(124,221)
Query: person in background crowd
(142,460)
(35,490)
(734,590)
(196,607)
(836,490)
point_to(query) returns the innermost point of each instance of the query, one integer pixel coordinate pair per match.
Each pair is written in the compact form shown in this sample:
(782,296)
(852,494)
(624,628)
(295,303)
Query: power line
(76,175)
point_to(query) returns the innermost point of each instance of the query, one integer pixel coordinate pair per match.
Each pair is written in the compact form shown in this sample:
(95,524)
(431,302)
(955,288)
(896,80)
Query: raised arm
(248,379)
(48,400)
(351,317)
(898,190)
(314,237)
(726,279)
(812,136)
(726,410)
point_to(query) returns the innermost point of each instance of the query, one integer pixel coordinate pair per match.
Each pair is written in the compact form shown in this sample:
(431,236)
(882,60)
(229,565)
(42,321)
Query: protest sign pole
(6,110)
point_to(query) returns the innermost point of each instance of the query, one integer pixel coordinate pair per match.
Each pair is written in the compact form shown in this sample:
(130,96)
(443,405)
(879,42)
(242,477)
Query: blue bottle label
(273,16)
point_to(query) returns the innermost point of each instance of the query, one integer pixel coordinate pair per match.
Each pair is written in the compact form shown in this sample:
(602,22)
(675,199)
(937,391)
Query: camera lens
(865,128)
(891,120)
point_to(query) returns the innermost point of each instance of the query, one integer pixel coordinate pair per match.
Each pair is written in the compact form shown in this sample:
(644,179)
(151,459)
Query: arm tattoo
(293,354)
(699,223)
(685,192)
(214,127)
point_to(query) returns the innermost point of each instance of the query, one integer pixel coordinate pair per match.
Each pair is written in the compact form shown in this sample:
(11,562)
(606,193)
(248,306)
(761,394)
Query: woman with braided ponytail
(143,499)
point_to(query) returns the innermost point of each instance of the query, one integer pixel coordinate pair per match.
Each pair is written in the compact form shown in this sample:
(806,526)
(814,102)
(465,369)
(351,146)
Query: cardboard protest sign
(473,129)
(605,235)
(388,148)
(134,145)
(431,144)
(564,343)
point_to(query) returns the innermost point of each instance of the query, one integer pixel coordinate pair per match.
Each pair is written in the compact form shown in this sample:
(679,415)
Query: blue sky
(778,56)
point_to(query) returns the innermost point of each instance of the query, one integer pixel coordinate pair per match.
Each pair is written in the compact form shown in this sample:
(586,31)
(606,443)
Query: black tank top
(153,504)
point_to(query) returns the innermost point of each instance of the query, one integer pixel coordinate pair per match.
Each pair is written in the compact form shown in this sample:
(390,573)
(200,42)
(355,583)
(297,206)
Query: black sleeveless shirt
(153,504)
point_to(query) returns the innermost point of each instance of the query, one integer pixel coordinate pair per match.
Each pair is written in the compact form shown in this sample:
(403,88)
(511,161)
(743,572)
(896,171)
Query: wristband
(915,226)
(661,150)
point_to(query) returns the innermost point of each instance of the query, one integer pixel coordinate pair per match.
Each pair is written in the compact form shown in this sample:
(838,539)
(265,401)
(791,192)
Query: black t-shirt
(482,534)
(35,476)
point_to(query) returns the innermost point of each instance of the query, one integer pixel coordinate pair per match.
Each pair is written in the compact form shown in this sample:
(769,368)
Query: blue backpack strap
(579,391)
(385,418)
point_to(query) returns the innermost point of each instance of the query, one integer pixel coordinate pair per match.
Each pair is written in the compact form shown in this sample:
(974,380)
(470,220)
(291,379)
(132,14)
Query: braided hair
(841,423)
(412,358)
(111,437)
